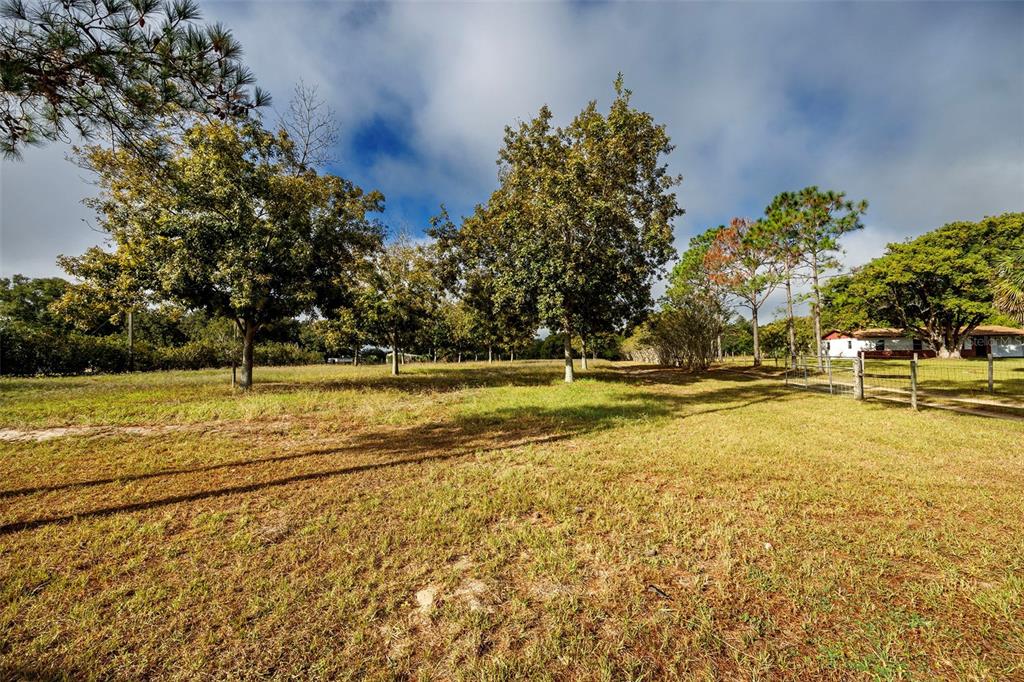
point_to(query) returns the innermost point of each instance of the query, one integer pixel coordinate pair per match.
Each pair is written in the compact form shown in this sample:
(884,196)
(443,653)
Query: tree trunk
(490,353)
(394,357)
(816,309)
(790,327)
(460,357)
(511,356)
(718,350)
(583,354)
(131,343)
(567,351)
(248,343)
(355,355)
(757,338)
(949,345)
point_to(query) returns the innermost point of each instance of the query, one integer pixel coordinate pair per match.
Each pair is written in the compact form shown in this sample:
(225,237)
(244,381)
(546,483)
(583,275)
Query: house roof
(879,333)
(997,330)
(894,333)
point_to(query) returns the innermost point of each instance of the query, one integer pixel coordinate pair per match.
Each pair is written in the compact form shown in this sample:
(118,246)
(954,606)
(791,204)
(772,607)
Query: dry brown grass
(639,524)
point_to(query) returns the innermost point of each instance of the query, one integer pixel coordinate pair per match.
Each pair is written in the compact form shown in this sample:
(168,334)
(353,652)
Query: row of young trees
(938,287)
(571,241)
(742,264)
(241,222)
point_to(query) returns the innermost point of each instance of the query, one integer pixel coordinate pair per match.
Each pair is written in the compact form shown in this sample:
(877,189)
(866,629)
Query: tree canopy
(582,221)
(743,261)
(116,67)
(398,297)
(233,225)
(938,286)
(1009,285)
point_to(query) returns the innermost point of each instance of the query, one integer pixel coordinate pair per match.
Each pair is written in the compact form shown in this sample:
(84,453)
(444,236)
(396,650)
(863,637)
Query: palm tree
(1009,285)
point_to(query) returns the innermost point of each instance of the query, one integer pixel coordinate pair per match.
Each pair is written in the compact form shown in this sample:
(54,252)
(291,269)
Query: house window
(918,345)
(849,345)
(880,344)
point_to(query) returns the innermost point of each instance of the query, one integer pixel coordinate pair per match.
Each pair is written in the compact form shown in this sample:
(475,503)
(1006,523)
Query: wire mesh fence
(835,376)
(987,384)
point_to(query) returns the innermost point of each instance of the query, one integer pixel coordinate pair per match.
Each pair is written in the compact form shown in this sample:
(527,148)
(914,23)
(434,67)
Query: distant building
(883,342)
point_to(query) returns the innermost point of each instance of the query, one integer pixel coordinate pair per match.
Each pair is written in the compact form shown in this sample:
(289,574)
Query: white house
(1004,342)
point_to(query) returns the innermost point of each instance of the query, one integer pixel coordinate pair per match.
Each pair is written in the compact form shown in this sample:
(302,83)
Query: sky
(916,107)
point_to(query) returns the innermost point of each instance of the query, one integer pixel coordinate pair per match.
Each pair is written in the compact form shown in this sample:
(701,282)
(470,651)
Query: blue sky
(917,107)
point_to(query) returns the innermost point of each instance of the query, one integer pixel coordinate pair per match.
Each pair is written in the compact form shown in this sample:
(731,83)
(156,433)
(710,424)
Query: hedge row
(35,353)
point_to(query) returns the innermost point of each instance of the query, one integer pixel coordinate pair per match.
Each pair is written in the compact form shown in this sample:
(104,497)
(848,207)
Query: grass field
(490,522)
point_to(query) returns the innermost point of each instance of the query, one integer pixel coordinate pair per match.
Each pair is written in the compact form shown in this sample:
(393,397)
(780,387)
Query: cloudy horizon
(918,108)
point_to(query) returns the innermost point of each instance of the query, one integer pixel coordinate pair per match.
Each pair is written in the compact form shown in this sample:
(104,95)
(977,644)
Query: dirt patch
(40,435)
(425,599)
(472,593)
(546,590)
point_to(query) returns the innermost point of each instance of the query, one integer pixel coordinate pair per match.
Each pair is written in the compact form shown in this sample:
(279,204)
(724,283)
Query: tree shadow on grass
(454,377)
(479,434)
(425,379)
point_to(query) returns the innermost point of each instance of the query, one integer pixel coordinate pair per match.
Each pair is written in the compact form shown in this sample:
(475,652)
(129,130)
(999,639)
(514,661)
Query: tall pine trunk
(817,309)
(248,344)
(757,337)
(355,355)
(490,353)
(790,327)
(567,352)
(394,357)
(583,354)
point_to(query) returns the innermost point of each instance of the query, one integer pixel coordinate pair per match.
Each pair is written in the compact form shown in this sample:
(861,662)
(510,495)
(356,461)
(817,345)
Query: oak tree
(583,217)
(230,223)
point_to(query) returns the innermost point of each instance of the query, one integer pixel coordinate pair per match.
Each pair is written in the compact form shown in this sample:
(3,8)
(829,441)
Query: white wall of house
(847,348)
(1002,346)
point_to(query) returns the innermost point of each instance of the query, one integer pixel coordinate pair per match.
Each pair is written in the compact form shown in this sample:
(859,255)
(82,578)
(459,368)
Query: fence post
(828,368)
(858,388)
(913,381)
(991,383)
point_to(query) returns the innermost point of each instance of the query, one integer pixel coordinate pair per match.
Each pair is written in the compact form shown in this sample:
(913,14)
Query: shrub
(29,352)
(195,355)
(278,353)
